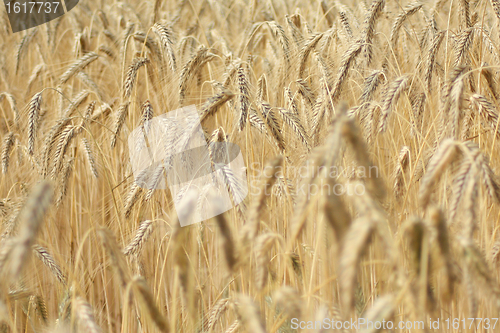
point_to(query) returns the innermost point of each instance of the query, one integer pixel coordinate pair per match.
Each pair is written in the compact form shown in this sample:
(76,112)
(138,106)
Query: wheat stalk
(132,198)
(63,180)
(13,105)
(30,219)
(142,291)
(117,260)
(78,66)
(228,244)
(33,118)
(369,28)
(165,34)
(446,154)
(382,308)
(190,69)
(67,135)
(244,97)
(346,63)
(121,116)
(309,45)
(463,44)
(487,111)
(213,104)
(291,119)
(401,167)
(141,236)
(408,11)
(91,84)
(280,34)
(90,158)
(356,243)
(86,315)
(249,314)
(23,47)
(268,179)
(7,145)
(393,93)
(150,43)
(216,312)
(49,261)
(263,245)
(131,76)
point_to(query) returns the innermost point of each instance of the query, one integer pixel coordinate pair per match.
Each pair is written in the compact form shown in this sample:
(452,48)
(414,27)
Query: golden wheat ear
(141,236)
(49,261)
(12,103)
(251,228)
(121,116)
(381,309)
(414,232)
(85,315)
(131,76)
(190,69)
(401,167)
(216,312)
(408,11)
(214,103)
(7,145)
(370,85)
(244,97)
(116,258)
(165,34)
(23,47)
(150,43)
(438,223)
(356,243)
(263,245)
(431,58)
(67,136)
(444,156)
(147,302)
(33,120)
(133,196)
(30,219)
(77,66)
(249,314)
(346,63)
(90,157)
(288,299)
(229,246)
(393,93)
(62,184)
(279,33)
(309,45)
(368,33)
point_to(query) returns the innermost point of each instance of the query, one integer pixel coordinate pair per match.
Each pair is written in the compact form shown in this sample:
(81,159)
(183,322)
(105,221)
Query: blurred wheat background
(408,89)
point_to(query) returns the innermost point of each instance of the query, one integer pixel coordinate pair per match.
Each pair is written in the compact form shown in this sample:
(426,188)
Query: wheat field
(369,131)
